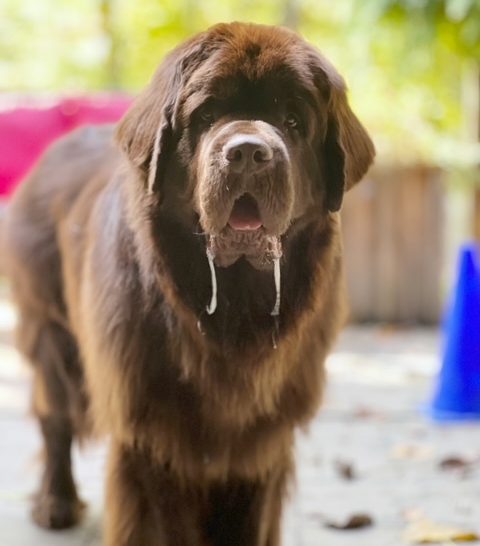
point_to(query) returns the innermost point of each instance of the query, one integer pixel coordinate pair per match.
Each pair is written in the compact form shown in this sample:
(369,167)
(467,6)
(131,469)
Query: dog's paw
(52,512)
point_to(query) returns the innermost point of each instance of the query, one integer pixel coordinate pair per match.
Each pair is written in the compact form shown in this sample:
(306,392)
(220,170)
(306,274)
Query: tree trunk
(291,14)
(476,202)
(476,211)
(112,64)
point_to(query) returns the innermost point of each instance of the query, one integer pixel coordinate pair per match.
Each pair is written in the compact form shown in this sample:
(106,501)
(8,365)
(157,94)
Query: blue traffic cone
(457,395)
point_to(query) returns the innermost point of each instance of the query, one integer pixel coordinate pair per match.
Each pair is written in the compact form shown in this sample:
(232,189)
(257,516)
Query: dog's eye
(207,116)
(292,121)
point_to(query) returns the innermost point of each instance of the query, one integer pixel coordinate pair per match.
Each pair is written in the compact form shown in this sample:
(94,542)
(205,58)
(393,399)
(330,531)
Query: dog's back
(69,175)
(39,208)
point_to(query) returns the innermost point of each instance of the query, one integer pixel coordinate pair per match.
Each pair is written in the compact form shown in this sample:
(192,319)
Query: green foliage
(151,28)
(411,64)
(51,45)
(413,69)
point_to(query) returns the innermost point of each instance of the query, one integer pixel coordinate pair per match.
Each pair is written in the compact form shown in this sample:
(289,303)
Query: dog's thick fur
(106,245)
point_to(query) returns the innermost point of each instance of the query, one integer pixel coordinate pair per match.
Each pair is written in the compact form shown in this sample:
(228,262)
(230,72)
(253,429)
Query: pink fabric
(26,132)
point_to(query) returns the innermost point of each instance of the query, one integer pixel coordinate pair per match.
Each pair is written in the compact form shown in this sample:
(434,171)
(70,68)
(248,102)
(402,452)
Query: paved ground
(379,378)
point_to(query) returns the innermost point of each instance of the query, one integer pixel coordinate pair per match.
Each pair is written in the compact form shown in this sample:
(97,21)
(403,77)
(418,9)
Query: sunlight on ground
(13,372)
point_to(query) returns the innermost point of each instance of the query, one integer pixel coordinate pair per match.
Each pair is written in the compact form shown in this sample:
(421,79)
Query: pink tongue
(245,215)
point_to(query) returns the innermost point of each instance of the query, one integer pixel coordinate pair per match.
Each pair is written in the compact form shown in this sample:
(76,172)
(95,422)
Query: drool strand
(275,332)
(213,302)
(276,272)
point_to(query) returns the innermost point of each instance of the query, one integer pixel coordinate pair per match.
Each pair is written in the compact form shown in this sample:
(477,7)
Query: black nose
(247,153)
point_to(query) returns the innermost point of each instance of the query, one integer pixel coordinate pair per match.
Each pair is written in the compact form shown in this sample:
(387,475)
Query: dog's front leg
(248,512)
(146,505)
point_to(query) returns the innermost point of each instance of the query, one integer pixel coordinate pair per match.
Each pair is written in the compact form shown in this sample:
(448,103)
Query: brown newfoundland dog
(179,287)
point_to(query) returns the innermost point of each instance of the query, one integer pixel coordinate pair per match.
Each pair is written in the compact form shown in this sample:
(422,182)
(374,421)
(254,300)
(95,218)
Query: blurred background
(413,69)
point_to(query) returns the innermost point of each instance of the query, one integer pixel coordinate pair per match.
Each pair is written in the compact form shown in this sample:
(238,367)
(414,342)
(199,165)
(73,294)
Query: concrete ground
(371,426)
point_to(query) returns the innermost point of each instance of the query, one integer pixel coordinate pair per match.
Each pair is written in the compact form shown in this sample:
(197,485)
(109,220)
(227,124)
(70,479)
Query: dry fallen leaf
(454,463)
(365,413)
(345,470)
(355,521)
(425,531)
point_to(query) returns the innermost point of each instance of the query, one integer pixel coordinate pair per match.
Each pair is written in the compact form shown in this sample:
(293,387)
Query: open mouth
(245,236)
(245,215)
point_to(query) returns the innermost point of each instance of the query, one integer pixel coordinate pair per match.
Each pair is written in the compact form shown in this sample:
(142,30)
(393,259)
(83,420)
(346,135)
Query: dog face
(246,130)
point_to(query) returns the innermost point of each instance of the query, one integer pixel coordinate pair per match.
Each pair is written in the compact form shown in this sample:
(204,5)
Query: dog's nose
(247,153)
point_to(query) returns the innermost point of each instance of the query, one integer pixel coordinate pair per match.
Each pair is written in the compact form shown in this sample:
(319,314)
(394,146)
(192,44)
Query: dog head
(246,130)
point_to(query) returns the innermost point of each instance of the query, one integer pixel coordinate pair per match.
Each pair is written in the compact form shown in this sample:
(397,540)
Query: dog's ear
(347,151)
(146,133)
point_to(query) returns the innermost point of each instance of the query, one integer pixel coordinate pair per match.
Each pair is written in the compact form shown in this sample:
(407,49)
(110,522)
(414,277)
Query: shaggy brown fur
(107,255)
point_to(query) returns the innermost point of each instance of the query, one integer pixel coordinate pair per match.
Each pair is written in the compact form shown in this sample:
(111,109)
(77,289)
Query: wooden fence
(393,235)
